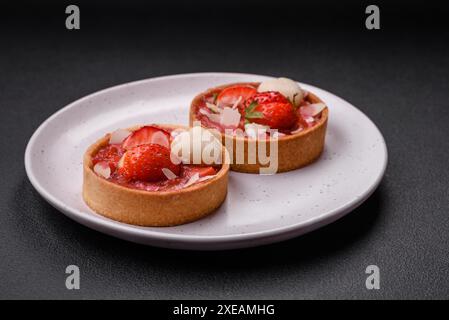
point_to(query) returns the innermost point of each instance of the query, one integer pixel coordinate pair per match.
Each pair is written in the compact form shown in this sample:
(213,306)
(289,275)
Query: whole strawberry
(271,109)
(145,163)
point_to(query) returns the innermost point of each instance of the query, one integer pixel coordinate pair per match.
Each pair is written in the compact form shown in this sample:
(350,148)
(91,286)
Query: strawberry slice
(202,171)
(145,163)
(146,135)
(230,95)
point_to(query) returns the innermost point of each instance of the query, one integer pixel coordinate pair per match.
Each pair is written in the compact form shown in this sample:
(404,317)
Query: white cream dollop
(287,87)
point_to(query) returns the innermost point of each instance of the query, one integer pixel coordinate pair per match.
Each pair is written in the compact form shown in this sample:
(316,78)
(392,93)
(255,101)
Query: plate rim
(100,223)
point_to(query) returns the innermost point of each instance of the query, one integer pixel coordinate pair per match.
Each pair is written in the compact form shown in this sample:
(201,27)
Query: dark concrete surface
(398,76)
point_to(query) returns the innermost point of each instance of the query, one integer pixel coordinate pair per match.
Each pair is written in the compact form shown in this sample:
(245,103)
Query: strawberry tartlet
(147,175)
(255,115)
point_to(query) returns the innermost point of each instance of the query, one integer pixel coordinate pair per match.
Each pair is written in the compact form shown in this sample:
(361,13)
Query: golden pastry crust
(294,151)
(151,208)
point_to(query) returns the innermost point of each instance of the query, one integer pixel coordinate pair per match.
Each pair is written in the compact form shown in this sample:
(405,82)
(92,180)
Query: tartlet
(166,202)
(299,143)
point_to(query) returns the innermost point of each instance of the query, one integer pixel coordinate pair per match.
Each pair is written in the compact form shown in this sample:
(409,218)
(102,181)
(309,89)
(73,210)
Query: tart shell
(151,208)
(294,151)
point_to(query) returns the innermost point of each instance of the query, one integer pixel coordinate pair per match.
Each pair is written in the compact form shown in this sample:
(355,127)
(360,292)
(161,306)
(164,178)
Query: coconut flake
(193,179)
(102,169)
(313,109)
(213,107)
(169,174)
(230,117)
(160,138)
(118,136)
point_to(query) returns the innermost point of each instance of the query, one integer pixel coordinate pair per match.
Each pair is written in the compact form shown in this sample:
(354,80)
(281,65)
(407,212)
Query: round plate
(258,209)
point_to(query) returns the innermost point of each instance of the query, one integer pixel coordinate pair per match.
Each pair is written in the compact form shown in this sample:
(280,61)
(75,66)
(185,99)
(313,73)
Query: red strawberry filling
(203,171)
(111,154)
(269,108)
(143,162)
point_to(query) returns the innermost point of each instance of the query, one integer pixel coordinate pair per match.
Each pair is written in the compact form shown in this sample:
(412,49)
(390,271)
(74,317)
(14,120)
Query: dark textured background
(398,76)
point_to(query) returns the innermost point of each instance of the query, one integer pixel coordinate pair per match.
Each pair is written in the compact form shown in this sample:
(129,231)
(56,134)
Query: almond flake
(297,130)
(237,102)
(254,130)
(277,134)
(193,179)
(214,117)
(230,117)
(205,178)
(102,169)
(309,119)
(312,110)
(169,174)
(213,107)
(121,161)
(118,136)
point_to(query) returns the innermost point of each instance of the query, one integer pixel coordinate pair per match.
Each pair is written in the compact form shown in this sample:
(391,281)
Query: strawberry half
(230,95)
(147,135)
(145,163)
(271,109)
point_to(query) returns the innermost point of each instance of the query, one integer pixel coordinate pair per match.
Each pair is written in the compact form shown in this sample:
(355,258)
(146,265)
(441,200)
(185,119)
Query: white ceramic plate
(258,209)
